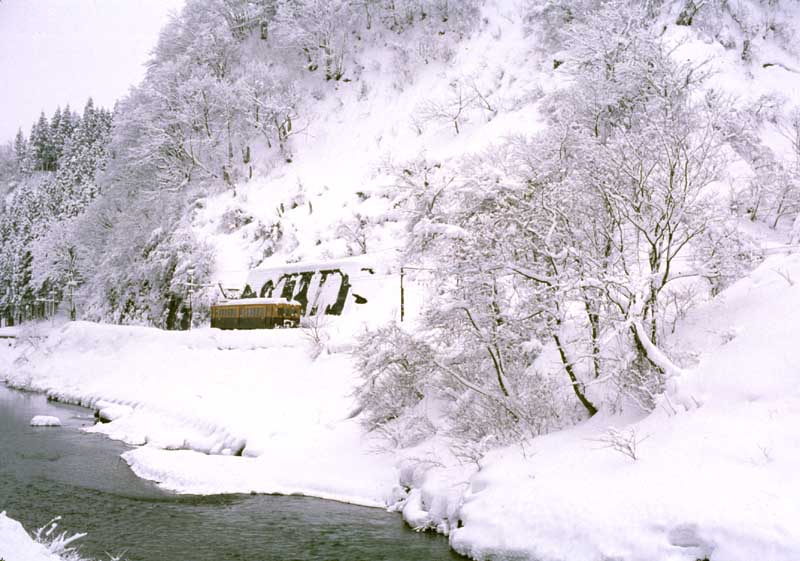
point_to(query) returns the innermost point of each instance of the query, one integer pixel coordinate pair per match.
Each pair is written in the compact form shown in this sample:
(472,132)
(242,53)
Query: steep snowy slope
(333,199)
(355,141)
(709,474)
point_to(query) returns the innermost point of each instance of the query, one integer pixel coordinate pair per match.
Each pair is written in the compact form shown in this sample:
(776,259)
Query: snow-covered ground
(715,468)
(714,475)
(17,545)
(197,400)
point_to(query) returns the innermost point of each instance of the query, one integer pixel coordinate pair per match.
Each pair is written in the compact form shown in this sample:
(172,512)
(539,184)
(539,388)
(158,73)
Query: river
(48,472)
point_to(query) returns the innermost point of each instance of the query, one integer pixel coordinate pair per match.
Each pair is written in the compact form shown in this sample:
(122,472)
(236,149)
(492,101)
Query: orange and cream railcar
(256,313)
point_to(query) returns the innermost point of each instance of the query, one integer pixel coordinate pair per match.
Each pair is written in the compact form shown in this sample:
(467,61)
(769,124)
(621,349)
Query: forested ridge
(227,85)
(50,180)
(573,233)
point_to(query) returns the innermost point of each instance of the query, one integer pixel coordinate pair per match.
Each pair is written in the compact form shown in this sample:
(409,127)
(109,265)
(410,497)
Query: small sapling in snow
(626,442)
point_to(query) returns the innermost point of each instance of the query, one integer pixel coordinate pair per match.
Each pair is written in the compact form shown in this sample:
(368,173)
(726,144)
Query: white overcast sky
(54,52)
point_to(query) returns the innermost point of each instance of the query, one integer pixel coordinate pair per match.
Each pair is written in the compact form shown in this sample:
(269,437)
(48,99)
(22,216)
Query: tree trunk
(577,387)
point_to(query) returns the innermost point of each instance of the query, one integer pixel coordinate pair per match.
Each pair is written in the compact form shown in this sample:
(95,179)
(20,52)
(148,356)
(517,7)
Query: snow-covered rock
(108,412)
(45,421)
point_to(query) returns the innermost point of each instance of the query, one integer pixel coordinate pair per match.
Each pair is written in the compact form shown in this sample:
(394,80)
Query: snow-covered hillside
(335,198)
(710,474)
(363,137)
(592,207)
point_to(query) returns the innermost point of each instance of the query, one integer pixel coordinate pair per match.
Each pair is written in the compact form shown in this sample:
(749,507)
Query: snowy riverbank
(714,475)
(17,545)
(199,399)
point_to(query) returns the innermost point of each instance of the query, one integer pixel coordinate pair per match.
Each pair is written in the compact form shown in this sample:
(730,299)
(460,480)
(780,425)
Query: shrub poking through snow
(313,328)
(626,442)
(56,542)
(60,543)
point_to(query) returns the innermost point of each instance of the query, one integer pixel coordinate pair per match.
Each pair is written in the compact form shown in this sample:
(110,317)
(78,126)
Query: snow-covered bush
(452,368)
(233,219)
(724,254)
(535,406)
(355,231)
(396,371)
(741,25)
(637,381)
(406,431)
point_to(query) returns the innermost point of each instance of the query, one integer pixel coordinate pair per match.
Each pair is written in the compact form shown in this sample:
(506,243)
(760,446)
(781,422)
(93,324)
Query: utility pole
(71,284)
(191,292)
(402,287)
(52,295)
(402,295)
(14,311)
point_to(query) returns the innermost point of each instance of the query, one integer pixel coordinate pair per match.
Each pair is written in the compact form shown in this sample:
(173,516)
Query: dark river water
(48,472)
